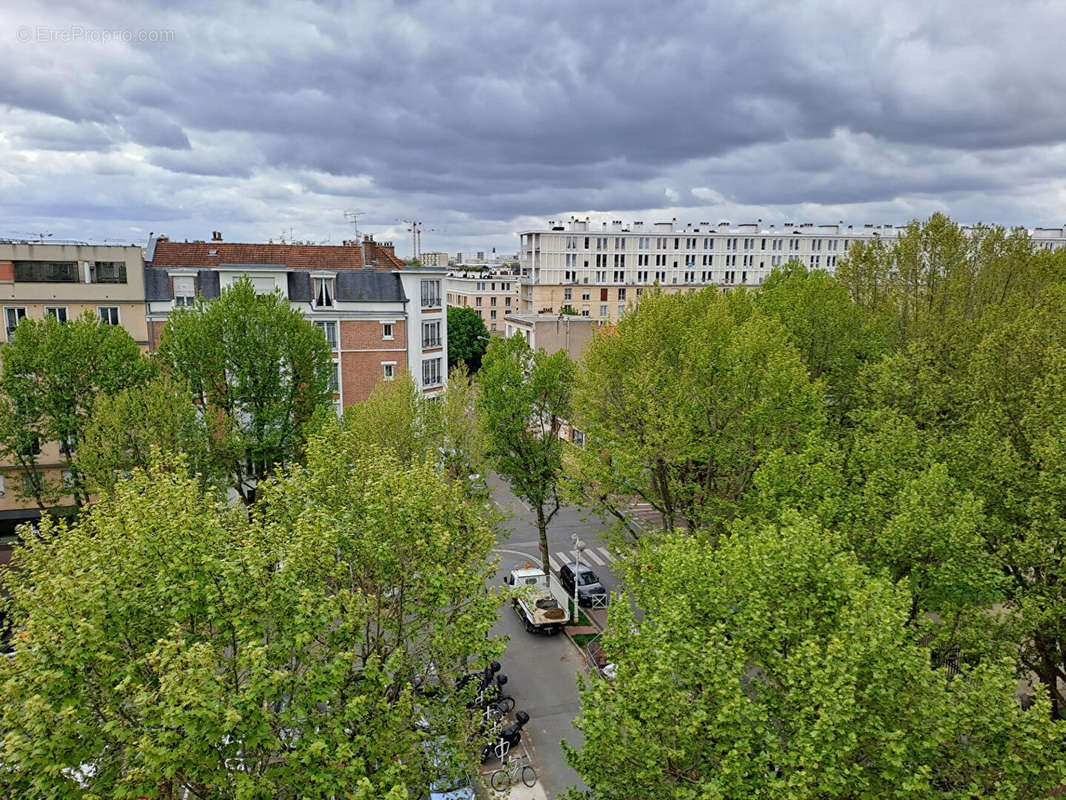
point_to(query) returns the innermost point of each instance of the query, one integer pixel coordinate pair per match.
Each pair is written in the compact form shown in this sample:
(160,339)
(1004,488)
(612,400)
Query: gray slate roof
(353,285)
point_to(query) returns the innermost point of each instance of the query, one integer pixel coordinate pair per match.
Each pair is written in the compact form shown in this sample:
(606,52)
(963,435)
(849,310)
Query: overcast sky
(484,118)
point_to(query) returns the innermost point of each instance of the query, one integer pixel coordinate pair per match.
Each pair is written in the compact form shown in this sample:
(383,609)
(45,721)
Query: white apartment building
(598,269)
(493,295)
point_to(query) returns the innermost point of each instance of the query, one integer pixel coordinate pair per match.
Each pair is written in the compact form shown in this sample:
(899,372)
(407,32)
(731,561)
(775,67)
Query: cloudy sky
(481,118)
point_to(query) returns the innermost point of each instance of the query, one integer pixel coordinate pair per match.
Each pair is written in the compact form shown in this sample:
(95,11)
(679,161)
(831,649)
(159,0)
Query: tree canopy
(52,374)
(468,338)
(257,366)
(775,666)
(525,398)
(308,646)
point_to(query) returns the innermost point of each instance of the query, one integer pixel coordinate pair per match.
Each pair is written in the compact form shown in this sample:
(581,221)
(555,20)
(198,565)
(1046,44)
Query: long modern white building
(597,269)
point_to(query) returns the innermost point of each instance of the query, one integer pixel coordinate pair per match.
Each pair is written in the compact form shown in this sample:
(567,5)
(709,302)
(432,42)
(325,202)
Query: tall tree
(256,365)
(467,338)
(683,401)
(777,666)
(148,423)
(173,646)
(525,396)
(52,374)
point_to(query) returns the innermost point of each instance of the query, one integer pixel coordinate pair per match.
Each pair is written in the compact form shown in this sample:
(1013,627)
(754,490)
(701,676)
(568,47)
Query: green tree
(834,335)
(306,647)
(51,378)
(149,422)
(777,666)
(256,365)
(467,338)
(683,401)
(525,397)
(399,418)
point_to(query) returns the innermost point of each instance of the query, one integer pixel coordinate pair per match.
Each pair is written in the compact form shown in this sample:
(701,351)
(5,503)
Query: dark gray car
(588,585)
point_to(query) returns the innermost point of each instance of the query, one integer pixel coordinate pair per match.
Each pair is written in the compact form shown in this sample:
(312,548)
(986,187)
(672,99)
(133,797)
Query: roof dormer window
(323,292)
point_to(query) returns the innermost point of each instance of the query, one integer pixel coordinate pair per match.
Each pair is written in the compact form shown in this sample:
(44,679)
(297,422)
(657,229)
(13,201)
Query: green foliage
(525,398)
(174,646)
(399,418)
(683,402)
(467,338)
(151,422)
(777,666)
(834,335)
(257,366)
(52,376)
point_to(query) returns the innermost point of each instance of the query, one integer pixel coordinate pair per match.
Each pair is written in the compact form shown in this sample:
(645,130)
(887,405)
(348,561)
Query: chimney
(216,236)
(368,251)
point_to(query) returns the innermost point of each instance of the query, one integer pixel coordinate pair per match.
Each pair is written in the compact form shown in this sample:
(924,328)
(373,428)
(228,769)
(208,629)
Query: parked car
(588,585)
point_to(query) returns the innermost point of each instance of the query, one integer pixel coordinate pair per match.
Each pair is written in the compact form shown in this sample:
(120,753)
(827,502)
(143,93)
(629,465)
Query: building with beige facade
(554,332)
(493,294)
(64,281)
(434,259)
(599,269)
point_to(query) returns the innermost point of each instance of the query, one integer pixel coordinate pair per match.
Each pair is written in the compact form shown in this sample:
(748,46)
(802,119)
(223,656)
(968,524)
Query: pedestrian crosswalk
(592,556)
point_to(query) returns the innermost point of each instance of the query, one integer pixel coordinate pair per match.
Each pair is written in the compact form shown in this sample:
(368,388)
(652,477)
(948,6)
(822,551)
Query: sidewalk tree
(174,646)
(683,401)
(467,337)
(525,397)
(777,666)
(257,366)
(52,375)
(157,421)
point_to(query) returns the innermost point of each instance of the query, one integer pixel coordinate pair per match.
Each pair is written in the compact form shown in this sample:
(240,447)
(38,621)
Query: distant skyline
(481,118)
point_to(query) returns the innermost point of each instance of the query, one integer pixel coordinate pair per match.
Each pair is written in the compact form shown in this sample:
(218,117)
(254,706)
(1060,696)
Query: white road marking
(607,554)
(552,563)
(590,555)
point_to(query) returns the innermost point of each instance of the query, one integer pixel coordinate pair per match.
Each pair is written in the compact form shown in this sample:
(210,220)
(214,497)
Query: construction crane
(415,229)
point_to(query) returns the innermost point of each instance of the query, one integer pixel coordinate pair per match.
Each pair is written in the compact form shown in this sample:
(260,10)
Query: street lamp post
(578,547)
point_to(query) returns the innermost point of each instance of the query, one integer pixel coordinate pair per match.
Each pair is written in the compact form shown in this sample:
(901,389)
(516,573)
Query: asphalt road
(542,670)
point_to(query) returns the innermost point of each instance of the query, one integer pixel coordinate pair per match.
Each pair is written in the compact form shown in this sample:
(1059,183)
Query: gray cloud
(484,116)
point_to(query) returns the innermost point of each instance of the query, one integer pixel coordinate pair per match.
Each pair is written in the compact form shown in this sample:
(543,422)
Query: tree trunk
(542,531)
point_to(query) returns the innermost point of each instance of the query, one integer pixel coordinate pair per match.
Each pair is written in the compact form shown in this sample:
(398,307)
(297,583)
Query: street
(541,670)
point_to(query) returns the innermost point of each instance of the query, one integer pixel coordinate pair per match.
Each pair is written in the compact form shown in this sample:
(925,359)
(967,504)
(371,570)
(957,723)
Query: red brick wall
(7,271)
(366,334)
(361,372)
(155,330)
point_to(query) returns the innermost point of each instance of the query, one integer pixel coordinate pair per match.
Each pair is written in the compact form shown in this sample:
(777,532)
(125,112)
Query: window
(621,309)
(329,330)
(386,330)
(3,488)
(603,311)
(323,292)
(492,314)
(388,370)
(68,479)
(477,302)
(622,293)
(431,333)
(507,301)
(184,290)
(431,372)
(585,295)
(108,272)
(32,448)
(430,294)
(12,316)
(334,378)
(570,276)
(59,312)
(567,292)
(46,271)
(108,314)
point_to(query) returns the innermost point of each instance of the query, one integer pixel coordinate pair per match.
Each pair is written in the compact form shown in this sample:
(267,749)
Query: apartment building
(598,270)
(64,280)
(381,317)
(493,295)
(434,259)
(554,332)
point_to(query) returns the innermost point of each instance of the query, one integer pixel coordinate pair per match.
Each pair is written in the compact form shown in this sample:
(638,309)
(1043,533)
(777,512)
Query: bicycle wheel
(505,704)
(499,780)
(529,775)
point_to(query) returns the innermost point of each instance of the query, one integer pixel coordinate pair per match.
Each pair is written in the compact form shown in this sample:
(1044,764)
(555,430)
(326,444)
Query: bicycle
(509,773)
